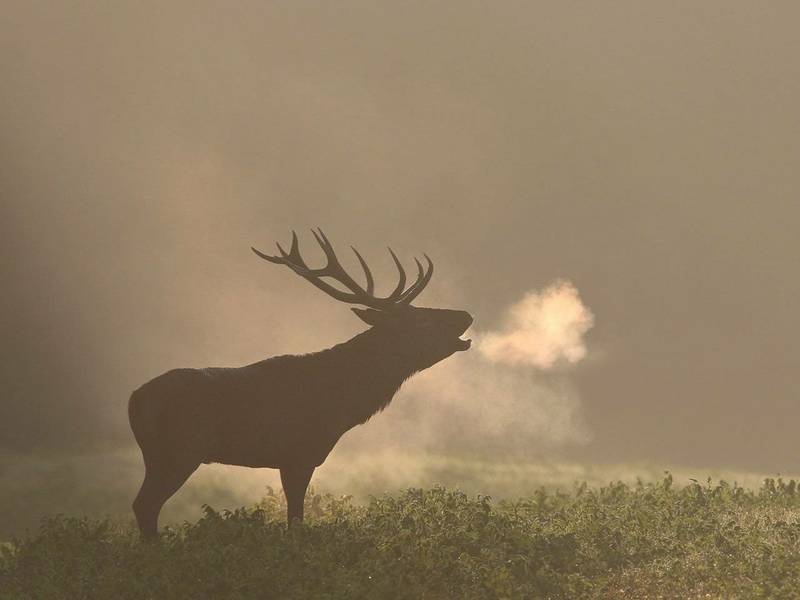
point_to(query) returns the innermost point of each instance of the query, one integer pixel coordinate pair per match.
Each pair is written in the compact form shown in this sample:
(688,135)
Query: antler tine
(334,268)
(273,259)
(327,247)
(423,278)
(291,259)
(294,251)
(401,283)
(333,265)
(367,272)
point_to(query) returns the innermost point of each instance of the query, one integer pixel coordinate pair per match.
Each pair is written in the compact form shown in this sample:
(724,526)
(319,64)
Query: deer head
(430,334)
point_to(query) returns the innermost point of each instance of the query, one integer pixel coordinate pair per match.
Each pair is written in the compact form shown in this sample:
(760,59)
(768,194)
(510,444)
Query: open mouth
(464,344)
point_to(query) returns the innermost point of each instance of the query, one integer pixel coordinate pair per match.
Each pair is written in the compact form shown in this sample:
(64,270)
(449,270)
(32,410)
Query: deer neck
(374,368)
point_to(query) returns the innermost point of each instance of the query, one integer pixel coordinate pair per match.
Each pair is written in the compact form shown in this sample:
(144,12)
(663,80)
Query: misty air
(399,300)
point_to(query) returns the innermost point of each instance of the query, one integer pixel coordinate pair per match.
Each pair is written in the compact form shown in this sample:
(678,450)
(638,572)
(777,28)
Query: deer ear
(370,316)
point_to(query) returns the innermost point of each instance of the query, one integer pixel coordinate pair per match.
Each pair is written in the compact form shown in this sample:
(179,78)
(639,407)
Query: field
(653,540)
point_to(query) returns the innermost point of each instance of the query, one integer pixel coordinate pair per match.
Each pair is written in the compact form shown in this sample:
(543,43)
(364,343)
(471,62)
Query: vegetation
(620,541)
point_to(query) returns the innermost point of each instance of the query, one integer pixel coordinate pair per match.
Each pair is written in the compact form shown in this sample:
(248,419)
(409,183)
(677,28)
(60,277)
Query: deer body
(285,412)
(276,410)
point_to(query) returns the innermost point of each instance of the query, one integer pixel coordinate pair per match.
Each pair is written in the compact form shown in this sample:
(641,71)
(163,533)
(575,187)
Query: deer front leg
(295,483)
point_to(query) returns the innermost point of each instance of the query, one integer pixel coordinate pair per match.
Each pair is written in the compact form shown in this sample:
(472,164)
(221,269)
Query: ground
(653,540)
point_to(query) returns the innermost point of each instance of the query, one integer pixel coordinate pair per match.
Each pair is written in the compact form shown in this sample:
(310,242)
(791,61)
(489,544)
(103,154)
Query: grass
(651,540)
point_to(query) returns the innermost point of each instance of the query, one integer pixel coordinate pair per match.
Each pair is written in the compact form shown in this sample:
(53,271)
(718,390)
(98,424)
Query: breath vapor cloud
(541,330)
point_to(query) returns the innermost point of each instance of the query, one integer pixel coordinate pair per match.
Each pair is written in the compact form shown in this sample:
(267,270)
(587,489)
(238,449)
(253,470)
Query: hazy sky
(645,152)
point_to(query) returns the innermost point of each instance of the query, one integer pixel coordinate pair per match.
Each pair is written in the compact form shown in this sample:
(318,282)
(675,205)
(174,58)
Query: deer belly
(271,445)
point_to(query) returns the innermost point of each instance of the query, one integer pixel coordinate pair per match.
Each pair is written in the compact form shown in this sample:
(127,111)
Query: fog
(630,165)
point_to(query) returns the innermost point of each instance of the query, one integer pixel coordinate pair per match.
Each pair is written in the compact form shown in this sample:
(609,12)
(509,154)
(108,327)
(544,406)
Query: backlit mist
(609,188)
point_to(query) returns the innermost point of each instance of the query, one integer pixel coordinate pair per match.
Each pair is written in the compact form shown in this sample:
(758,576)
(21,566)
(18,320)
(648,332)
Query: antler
(357,294)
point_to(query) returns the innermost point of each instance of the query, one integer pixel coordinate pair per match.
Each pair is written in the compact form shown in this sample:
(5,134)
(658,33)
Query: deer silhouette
(288,412)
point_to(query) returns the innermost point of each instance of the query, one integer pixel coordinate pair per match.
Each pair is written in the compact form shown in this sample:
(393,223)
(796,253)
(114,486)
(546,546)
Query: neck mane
(373,367)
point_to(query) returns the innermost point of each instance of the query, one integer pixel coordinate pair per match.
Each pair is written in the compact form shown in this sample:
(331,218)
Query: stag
(288,412)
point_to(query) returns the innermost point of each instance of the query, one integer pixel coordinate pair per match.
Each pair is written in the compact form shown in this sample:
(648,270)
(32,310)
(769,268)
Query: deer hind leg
(161,481)
(295,483)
